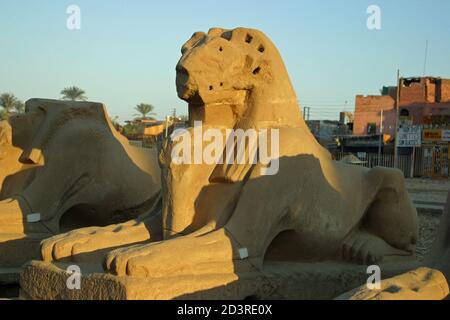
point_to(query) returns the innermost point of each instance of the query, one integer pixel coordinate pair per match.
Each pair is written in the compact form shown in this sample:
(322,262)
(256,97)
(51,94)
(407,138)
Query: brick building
(367,117)
(423,101)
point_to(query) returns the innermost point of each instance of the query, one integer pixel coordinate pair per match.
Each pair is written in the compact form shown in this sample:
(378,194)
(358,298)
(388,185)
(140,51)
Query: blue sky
(126,50)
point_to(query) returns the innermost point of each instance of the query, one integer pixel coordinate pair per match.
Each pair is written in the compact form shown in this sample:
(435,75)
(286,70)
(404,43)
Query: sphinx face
(24,126)
(210,71)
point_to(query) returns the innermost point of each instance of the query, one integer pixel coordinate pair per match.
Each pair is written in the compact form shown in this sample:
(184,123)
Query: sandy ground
(428,225)
(431,194)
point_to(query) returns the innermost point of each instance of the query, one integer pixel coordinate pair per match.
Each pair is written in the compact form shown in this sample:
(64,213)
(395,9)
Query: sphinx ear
(261,71)
(255,71)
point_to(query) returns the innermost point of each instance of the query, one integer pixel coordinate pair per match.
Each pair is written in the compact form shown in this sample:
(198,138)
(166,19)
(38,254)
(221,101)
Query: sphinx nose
(182,75)
(181,70)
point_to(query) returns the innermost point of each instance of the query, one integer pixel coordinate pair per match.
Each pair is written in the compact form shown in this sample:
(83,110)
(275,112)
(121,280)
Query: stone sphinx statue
(64,166)
(226,228)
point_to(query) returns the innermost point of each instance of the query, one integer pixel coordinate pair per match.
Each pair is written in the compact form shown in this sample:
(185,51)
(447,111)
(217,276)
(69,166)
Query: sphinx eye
(261,48)
(257,70)
(220,49)
(248,38)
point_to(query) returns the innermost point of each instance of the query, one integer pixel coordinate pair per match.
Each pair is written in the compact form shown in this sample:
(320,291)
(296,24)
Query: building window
(404,113)
(371,128)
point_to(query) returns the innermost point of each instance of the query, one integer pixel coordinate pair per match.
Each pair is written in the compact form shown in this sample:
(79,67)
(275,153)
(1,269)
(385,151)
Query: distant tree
(19,107)
(114,119)
(8,102)
(73,93)
(115,123)
(144,110)
(132,131)
(10,105)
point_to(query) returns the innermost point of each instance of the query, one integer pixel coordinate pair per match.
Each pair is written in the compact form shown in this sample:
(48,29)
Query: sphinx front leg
(86,240)
(211,253)
(19,238)
(238,247)
(16,217)
(12,217)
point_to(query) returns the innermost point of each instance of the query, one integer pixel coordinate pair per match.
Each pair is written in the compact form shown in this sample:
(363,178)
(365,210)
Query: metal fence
(432,161)
(429,161)
(372,160)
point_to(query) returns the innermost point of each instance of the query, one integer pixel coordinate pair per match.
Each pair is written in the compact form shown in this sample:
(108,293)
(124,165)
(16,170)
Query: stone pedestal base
(41,280)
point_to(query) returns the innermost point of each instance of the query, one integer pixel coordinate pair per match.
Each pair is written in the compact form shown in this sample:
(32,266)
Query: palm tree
(8,102)
(73,93)
(145,109)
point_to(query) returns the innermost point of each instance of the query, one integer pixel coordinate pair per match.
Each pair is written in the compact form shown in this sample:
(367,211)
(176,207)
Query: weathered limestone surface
(419,284)
(63,165)
(221,223)
(43,281)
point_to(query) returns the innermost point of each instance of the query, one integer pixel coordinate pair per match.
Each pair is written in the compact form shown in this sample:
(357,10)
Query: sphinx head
(232,71)
(32,130)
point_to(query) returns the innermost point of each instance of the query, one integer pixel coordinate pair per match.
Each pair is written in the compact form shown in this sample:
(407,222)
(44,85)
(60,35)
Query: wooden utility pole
(397,112)
(167,127)
(381,139)
(413,158)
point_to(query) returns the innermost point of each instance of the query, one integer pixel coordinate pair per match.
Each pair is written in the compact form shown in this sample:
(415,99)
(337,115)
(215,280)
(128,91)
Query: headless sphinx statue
(228,218)
(64,166)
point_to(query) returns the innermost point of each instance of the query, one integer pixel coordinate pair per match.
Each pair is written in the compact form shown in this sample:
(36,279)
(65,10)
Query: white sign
(410,136)
(446,135)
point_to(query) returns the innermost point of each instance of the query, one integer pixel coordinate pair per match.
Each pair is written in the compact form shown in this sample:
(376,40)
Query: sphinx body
(64,166)
(230,218)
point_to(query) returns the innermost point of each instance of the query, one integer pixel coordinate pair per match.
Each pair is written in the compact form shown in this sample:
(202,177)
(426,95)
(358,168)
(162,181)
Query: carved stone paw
(69,244)
(187,255)
(88,240)
(366,249)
